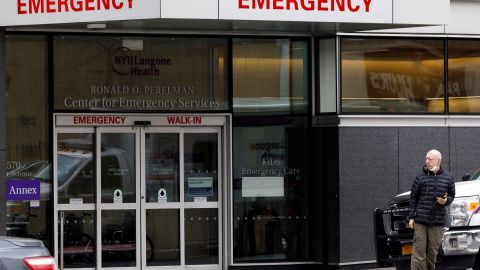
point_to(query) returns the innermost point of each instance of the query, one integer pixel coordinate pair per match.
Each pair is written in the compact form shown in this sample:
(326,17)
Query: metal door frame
(117,206)
(182,205)
(220,122)
(58,208)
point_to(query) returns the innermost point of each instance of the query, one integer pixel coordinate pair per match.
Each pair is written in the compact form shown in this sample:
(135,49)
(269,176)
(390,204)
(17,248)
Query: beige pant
(426,242)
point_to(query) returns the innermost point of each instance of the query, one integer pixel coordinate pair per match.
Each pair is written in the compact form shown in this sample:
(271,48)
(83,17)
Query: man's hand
(442,200)
(411,223)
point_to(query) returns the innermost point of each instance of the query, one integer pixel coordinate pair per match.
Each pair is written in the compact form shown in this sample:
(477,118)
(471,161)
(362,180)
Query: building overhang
(206,27)
(242,16)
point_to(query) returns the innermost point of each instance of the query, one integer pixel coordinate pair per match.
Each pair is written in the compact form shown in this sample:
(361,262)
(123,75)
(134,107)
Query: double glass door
(138,198)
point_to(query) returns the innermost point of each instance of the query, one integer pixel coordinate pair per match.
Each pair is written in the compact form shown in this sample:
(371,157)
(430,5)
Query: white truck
(461,238)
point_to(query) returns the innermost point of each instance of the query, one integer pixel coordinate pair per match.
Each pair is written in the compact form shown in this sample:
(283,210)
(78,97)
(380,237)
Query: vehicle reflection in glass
(22,219)
(27,169)
(75,168)
(76,185)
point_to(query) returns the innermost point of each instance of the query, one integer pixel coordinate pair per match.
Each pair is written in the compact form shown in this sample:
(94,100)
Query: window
(270,76)
(140,74)
(392,75)
(463,68)
(270,142)
(270,204)
(27,128)
(75,167)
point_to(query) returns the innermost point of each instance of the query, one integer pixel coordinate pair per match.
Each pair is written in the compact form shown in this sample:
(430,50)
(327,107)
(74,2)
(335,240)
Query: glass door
(202,196)
(138,198)
(181,213)
(161,199)
(74,193)
(118,197)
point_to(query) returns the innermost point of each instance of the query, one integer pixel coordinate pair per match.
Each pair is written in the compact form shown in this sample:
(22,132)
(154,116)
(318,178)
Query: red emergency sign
(62,6)
(99,120)
(184,120)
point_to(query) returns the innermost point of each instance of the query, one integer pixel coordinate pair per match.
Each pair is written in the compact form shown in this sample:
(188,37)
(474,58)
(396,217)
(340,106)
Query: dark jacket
(427,186)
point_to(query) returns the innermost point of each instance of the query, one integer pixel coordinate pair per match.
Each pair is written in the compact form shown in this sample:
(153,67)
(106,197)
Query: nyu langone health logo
(130,62)
(23,190)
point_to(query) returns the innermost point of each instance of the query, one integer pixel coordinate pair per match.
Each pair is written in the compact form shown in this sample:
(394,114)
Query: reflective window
(392,75)
(75,167)
(201,236)
(270,75)
(78,239)
(162,166)
(119,238)
(163,237)
(201,167)
(140,73)
(270,189)
(463,68)
(118,168)
(27,130)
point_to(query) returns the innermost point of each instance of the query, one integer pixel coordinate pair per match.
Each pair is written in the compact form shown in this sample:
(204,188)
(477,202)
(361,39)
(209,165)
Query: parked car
(461,238)
(24,254)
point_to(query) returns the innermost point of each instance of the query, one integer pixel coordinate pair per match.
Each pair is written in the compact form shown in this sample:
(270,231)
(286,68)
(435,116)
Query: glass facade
(140,74)
(463,68)
(270,190)
(270,75)
(267,92)
(392,75)
(270,174)
(28,133)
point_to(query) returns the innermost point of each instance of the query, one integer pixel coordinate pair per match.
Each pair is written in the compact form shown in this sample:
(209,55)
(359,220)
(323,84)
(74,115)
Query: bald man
(431,192)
